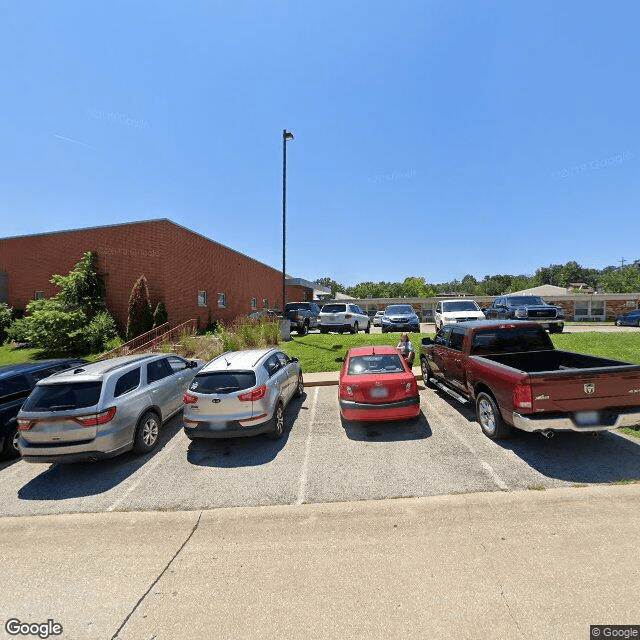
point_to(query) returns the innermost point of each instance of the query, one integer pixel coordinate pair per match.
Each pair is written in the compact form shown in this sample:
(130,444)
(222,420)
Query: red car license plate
(379,392)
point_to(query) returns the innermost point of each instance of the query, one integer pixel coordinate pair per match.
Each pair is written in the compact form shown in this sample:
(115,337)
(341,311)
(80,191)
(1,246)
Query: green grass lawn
(9,355)
(318,352)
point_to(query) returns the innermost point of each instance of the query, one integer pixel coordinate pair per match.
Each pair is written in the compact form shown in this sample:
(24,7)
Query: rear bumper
(568,422)
(35,454)
(225,429)
(365,412)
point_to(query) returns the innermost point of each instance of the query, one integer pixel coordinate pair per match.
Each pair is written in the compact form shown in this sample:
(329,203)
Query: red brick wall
(176,262)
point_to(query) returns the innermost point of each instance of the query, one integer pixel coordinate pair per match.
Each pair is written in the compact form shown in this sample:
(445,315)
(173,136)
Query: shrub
(160,315)
(100,332)
(6,317)
(140,317)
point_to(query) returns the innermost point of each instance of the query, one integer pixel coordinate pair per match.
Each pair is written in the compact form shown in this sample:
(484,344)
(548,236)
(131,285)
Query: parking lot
(320,460)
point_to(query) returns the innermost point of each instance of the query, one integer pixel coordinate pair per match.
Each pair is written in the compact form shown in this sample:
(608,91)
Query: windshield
(510,340)
(519,301)
(334,308)
(223,381)
(398,309)
(368,365)
(460,305)
(61,397)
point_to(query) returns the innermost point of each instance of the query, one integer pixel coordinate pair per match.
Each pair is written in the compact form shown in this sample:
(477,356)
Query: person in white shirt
(406,349)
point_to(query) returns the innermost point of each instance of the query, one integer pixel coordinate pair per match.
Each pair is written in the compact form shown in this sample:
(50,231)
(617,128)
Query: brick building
(194,276)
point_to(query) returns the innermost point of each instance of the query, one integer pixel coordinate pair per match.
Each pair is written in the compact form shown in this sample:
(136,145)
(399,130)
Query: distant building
(194,276)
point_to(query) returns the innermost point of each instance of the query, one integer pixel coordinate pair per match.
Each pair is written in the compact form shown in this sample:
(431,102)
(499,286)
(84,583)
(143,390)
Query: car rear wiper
(226,389)
(61,407)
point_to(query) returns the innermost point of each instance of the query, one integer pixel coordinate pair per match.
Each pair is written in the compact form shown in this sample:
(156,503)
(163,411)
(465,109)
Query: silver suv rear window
(334,308)
(63,397)
(223,381)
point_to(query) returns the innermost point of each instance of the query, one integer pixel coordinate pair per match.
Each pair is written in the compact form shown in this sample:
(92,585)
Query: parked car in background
(341,317)
(242,393)
(303,316)
(377,319)
(377,384)
(16,383)
(400,317)
(532,308)
(101,409)
(631,319)
(464,310)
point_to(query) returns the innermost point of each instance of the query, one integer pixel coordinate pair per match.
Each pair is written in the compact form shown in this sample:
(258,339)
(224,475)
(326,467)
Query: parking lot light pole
(286,136)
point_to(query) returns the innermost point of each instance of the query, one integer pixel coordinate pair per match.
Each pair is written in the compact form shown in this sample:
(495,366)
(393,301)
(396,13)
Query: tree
(331,284)
(140,316)
(160,315)
(73,322)
(6,316)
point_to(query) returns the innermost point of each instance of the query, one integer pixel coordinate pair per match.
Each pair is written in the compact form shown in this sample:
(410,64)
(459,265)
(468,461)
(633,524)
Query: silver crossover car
(242,393)
(102,409)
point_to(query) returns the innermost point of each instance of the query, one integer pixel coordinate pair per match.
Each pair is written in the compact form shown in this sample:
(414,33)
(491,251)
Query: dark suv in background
(303,316)
(532,308)
(16,383)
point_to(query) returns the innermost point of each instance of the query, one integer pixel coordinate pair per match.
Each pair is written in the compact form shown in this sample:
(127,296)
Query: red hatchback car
(377,384)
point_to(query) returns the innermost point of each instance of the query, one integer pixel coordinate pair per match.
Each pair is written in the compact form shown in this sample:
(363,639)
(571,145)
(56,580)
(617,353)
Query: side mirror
(293,359)
(192,364)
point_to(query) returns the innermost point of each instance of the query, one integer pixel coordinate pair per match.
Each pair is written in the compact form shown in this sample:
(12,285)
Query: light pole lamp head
(287,135)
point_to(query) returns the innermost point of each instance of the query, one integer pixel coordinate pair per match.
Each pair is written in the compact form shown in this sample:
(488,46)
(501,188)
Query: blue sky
(432,138)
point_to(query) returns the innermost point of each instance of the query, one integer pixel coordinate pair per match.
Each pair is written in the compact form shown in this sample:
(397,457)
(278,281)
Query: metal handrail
(189,327)
(151,339)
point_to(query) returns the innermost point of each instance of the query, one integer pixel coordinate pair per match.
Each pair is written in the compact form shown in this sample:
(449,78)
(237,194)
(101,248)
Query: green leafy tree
(335,287)
(140,316)
(6,317)
(160,315)
(75,321)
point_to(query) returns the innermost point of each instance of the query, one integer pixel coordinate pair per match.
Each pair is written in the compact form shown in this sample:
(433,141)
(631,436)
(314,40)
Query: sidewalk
(531,564)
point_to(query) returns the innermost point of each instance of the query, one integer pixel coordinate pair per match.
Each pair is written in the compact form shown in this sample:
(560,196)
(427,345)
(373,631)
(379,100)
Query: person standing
(406,349)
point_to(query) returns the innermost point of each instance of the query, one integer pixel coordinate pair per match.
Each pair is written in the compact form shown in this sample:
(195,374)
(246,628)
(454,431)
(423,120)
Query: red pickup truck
(516,378)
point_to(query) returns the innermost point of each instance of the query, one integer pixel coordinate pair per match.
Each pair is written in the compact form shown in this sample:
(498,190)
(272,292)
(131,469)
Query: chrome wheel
(486,417)
(150,432)
(299,386)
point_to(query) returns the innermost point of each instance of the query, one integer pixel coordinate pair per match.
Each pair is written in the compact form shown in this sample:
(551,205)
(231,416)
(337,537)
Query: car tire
(427,376)
(368,329)
(299,386)
(303,330)
(10,448)
(147,433)
(323,330)
(277,422)
(619,323)
(489,417)
(638,324)
(354,329)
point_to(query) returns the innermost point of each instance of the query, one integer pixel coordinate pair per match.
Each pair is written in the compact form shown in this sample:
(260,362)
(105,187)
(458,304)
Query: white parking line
(307,450)
(146,469)
(483,463)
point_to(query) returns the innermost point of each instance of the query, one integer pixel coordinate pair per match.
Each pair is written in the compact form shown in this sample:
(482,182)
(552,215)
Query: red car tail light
(189,398)
(522,396)
(348,316)
(94,419)
(25,425)
(256,394)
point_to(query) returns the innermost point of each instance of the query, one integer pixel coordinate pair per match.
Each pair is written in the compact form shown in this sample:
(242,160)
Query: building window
(265,303)
(254,304)
(222,300)
(202,298)
(38,295)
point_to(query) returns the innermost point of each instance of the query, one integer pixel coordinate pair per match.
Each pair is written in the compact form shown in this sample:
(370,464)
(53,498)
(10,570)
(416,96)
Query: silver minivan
(102,409)
(242,393)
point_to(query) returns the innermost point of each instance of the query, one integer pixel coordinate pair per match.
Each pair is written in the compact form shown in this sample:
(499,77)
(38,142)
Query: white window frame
(38,295)
(222,300)
(254,304)
(202,298)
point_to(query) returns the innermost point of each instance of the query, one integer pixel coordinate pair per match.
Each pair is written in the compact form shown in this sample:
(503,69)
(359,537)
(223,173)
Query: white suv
(341,317)
(450,311)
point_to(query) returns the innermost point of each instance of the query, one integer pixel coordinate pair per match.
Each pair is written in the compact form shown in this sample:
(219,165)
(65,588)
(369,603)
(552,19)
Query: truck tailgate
(585,389)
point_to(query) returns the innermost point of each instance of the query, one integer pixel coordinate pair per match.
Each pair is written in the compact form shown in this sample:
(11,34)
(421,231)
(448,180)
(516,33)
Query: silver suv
(242,393)
(102,409)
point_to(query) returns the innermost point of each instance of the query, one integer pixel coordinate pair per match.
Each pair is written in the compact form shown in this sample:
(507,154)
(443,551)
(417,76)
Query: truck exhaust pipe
(547,433)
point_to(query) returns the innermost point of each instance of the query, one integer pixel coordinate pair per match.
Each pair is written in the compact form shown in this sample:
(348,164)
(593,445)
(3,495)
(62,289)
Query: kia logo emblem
(589,388)
(215,400)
